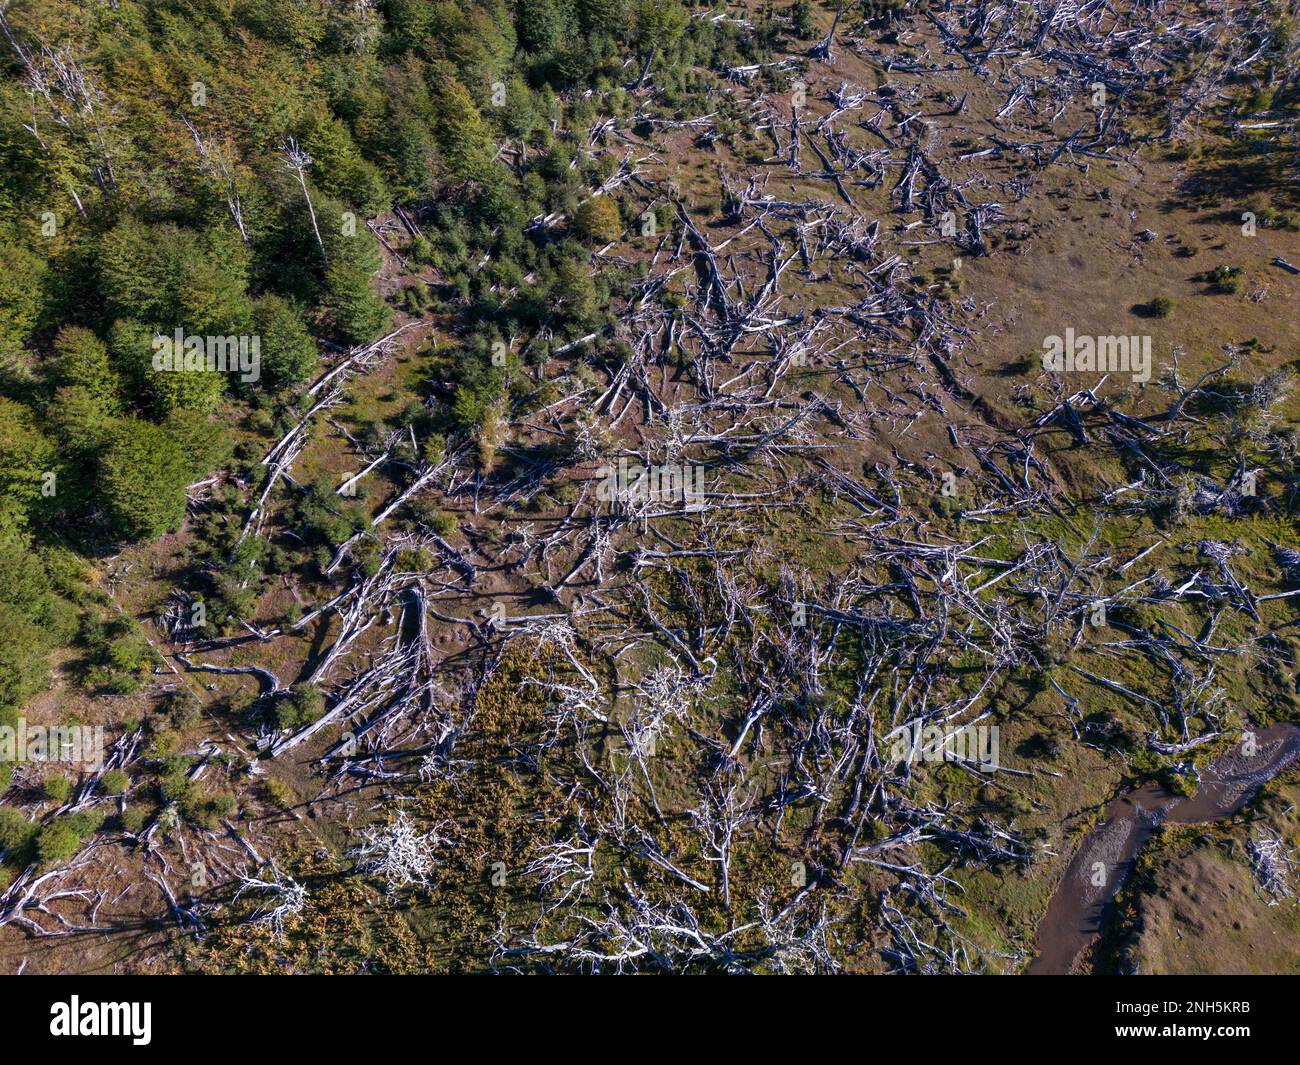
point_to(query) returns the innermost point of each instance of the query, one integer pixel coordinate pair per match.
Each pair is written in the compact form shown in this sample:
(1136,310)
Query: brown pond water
(1080,908)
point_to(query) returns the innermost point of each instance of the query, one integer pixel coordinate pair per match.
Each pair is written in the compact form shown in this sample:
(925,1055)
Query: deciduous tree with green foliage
(599,220)
(143,474)
(288,351)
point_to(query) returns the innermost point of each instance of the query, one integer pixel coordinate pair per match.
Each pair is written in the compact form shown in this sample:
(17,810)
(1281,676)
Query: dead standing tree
(297,160)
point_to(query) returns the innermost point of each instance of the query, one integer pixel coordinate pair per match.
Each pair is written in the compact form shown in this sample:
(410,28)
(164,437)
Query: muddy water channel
(1084,900)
